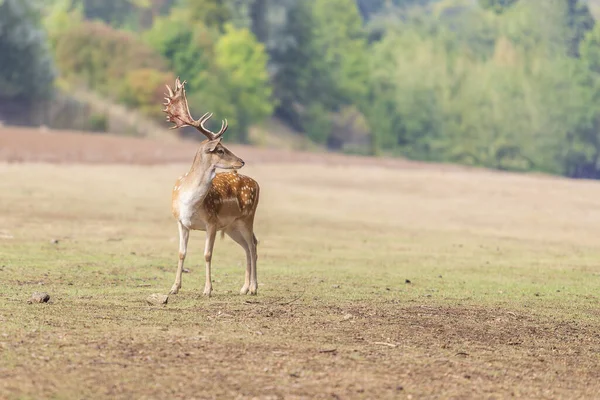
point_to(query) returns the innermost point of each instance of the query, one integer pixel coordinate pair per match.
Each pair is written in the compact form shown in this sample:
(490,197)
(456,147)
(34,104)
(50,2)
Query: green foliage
(114,12)
(61,17)
(408,92)
(98,123)
(302,77)
(341,41)
(187,48)
(581,114)
(498,6)
(493,112)
(317,123)
(244,84)
(295,60)
(227,73)
(505,91)
(590,50)
(213,14)
(113,63)
(144,89)
(579,21)
(26,70)
(101,57)
(133,15)
(551,26)
(508,84)
(324,67)
(370,8)
(472,30)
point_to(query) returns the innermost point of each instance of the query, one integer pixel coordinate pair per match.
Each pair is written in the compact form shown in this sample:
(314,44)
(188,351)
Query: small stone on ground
(157,299)
(39,297)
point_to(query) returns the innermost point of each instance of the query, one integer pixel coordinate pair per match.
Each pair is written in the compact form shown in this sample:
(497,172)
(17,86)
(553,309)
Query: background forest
(506,84)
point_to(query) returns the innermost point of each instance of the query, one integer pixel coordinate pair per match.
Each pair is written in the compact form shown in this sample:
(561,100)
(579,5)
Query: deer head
(219,156)
(211,151)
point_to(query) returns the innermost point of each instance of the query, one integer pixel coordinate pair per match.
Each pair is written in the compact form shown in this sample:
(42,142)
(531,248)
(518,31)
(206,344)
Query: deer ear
(211,145)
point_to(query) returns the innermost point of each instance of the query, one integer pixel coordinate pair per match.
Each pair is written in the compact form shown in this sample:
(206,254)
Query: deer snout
(239,163)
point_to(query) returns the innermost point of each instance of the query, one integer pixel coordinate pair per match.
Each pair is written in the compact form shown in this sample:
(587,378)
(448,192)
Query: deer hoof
(207,292)
(253,290)
(174,289)
(244,290)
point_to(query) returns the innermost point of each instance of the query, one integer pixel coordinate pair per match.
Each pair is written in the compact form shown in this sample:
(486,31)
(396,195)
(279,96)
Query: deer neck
(199,178)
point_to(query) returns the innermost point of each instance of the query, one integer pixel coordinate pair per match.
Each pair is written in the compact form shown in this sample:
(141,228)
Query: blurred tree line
(507,84)
(26,67)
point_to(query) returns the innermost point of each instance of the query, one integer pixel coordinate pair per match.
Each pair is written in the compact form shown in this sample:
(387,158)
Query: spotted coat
(231,187)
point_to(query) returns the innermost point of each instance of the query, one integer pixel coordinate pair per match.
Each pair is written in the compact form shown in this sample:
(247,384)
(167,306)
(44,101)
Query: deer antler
(178,112)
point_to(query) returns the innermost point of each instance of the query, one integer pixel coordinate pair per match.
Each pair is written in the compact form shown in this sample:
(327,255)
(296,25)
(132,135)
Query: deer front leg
(184,235)
(239,239)
(211,233)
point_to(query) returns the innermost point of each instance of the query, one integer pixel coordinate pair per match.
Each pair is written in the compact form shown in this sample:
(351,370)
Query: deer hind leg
(253,275)
(184,235)
(237,236)
(247,232)
(211,233)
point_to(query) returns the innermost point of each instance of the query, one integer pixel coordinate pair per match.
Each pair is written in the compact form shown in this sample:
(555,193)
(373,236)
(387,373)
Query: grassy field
(373,283)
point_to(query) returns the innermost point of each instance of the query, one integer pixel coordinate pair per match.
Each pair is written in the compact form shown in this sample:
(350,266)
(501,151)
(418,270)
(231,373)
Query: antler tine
(224,126)
(170,94)
(205,117)
(179,84)
(207,132)
(176,107)
(178,112)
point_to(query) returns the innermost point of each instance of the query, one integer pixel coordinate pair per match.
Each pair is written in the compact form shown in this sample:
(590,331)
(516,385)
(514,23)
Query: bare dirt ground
(298,351)
(36,145)
(402,280)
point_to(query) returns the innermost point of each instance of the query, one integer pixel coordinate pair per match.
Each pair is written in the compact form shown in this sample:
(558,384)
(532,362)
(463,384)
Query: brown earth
(293,351)
(37,145)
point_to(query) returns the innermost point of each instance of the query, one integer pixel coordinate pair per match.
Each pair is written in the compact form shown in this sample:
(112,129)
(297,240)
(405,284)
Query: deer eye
(220,152)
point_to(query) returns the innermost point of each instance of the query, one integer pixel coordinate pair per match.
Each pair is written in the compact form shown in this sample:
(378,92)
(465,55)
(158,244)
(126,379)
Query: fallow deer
(208,201)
